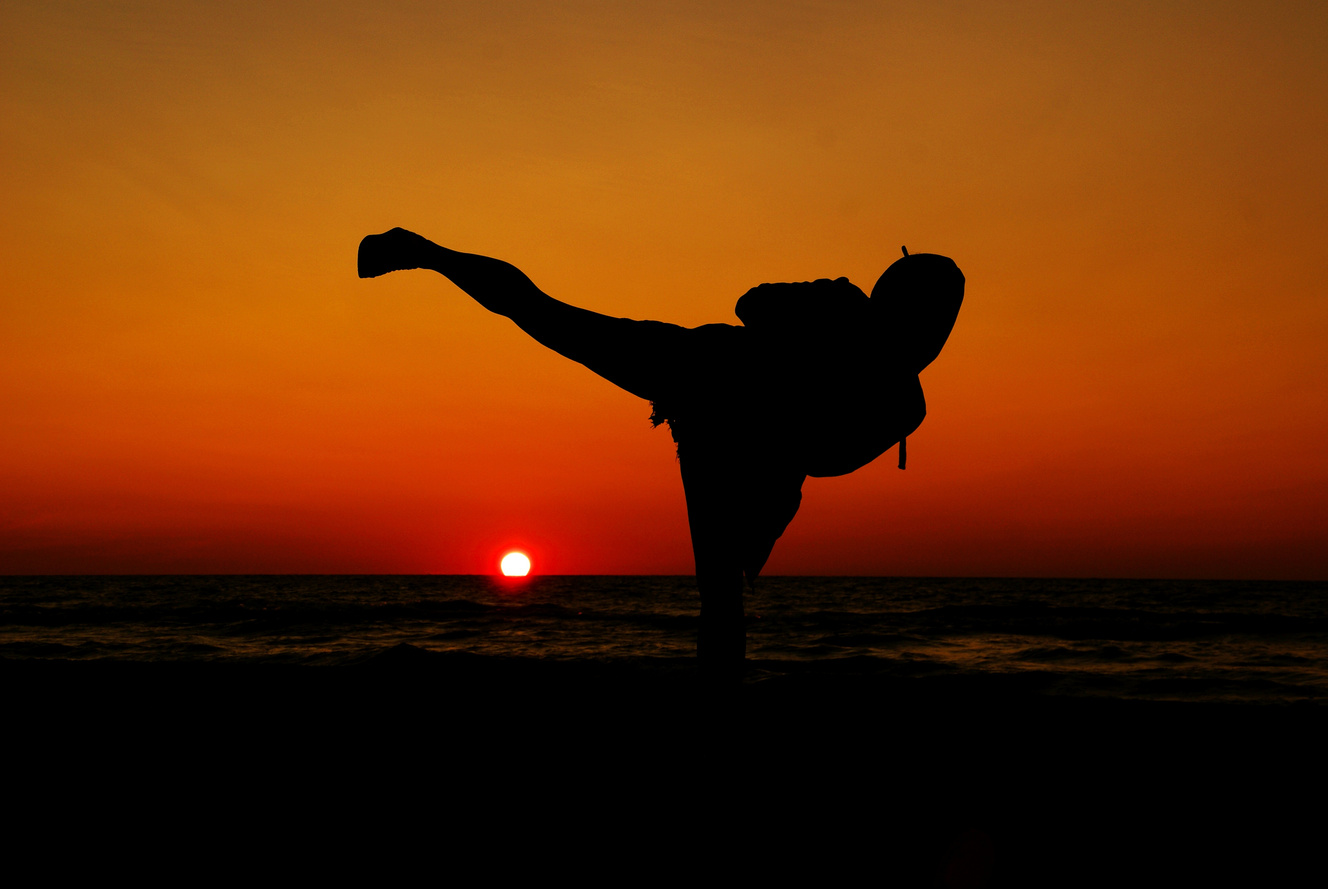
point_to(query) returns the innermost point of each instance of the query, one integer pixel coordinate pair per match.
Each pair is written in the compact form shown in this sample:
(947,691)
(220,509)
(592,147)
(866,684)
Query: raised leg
(643,357)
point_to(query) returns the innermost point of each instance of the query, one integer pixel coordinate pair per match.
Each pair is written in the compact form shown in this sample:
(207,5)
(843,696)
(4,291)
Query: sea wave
(1237,640)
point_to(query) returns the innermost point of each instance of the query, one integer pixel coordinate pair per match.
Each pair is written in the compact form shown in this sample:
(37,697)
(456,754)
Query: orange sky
(192,379)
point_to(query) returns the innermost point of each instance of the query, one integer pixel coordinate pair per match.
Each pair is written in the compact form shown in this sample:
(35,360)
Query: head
(916,302)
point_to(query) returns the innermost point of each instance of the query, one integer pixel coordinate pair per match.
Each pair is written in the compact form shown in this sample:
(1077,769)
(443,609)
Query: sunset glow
(193,379)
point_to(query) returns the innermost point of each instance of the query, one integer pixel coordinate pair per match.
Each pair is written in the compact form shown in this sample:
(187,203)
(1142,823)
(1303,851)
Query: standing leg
(650,359)
(713,513)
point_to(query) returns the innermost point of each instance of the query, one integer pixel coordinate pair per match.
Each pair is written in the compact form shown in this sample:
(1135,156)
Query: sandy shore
(826,769)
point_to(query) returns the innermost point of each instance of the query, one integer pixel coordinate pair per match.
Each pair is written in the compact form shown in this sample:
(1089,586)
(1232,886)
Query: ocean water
(1194,640)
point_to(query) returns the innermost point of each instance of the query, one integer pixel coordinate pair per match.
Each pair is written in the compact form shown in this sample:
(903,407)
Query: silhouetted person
(819,380)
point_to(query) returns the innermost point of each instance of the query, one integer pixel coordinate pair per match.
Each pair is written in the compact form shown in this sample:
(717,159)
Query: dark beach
(831,770)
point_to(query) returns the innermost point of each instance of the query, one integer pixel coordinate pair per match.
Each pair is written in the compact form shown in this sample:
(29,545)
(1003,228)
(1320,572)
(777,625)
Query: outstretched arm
(630,354)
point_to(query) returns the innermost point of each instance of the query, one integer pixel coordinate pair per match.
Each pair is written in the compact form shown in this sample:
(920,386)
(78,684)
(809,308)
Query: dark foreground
(641,772)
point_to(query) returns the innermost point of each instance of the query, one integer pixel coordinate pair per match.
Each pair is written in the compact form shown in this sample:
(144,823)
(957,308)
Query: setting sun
(515,565)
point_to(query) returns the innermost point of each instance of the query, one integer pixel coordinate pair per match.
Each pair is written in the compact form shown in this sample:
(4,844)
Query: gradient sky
(192,379)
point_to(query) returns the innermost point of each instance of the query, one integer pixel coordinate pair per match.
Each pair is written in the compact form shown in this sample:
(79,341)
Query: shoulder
(717,331)
(798,307)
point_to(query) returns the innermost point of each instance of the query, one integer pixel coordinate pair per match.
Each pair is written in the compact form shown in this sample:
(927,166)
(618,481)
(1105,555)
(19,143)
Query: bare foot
(391,251)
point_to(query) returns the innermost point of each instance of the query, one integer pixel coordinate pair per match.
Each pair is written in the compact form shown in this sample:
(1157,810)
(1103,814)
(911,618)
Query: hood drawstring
(903,451)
